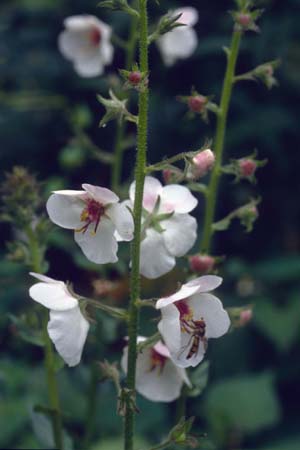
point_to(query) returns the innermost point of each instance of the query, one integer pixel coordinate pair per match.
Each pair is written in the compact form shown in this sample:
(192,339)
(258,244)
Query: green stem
(36,265)
(121,127)
(91,406)
(137,213)
(211,198)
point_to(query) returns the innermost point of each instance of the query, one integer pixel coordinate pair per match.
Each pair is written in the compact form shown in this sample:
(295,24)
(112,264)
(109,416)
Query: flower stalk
(121,127)
(137,213)
(56,420)
(211,198)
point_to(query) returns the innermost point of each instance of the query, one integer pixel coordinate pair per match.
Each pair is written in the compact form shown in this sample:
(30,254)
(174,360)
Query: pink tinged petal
(178,199)
(180,233)
(123,221)
(211,309)
(100,247)
(155,383)
(100,194)
(155,258)
(65,209)
(206,283)
(68,331)
(189,15)
(169,328)
(53,295)
(162,349)
(152,189)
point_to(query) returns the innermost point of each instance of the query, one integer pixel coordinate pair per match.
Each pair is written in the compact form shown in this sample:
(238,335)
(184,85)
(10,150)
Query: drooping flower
(157,377)
(168,230)
(190,317)
(67,327)
(97,218)
(181,42)
(86,42)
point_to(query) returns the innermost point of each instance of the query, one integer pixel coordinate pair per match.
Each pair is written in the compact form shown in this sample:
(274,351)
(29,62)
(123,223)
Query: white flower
(169,231)
(190,317)
(95,215)
(67,328)
(181,42)
(86,42)
(157,377)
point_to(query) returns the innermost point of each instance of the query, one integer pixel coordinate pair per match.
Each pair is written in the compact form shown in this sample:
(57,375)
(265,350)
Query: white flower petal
(75,45)
(155,258)
(53,295)
(81,22)
(65,209)
(179,43)
(178,199)
(100,247)
(89,66)
(179,357)
(152,189)
(211,309)
(123,221)
(169,327)
(44,278)
(68,331)
(180,233)
(189,15)
(205,283)
(100,194)
(157,385)
(106,53)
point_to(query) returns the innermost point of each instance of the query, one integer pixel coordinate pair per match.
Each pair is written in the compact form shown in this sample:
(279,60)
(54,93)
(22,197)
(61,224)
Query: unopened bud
(247,167)
(201,264)
(135,78)
(172,175)
(201,164)
(197,103)
(245,316)
(248,215)
(244,19)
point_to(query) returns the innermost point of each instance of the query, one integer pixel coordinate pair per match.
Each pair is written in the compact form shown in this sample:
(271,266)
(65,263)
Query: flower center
(91,214)
(95,36)
(157,361)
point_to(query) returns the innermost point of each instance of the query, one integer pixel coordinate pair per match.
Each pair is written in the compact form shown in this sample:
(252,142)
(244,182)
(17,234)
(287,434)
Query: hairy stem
(36,265)
(212,193)
(137,213)
(121,127)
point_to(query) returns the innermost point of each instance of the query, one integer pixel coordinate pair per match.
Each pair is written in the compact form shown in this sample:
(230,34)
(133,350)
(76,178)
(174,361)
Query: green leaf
(281,324)
(199,378)
(247,404)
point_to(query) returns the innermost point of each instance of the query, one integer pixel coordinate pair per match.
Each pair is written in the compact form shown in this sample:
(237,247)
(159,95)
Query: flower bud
(248,215)
(197,103)
(247,168)
(245,316)
(201,164)
(201,264)
(244,19)
(135,78)
(172,175)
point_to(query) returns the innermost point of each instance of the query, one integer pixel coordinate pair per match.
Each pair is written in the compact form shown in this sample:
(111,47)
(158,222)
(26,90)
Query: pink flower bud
(201,263)
(171,175)
(247,167)
(201,164)
(197,103)
(244,19)
(246,316)
(135,78)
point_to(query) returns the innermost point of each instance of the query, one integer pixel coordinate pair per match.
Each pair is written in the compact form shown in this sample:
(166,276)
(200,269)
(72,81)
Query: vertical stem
(121,127)
(137,213)
(219,142)
(36,264)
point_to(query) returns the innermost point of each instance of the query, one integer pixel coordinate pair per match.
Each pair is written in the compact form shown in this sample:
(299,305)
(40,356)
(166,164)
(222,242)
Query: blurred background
(46,113)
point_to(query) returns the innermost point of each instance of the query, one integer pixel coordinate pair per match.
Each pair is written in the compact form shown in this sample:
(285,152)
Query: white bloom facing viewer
(95,215)
(169,231)
(67,327)
(181,42)
(190,317)
(157,377)
(86,42)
